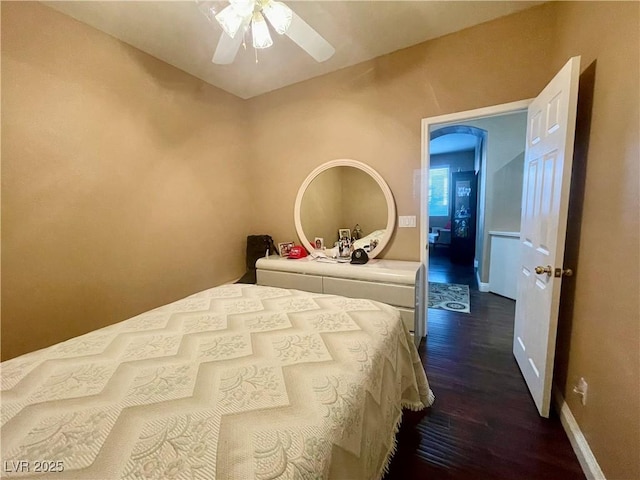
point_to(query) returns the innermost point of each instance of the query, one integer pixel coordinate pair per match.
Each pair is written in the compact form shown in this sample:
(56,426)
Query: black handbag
(257,247)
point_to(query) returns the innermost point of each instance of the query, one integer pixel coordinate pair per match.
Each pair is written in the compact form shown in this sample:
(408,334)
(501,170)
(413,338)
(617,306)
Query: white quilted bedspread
(236,382)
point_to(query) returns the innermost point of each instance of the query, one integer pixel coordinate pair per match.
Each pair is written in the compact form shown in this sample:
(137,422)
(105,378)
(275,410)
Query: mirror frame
(344,162)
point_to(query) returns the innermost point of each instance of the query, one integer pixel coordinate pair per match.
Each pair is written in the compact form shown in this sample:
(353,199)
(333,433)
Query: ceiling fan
(239,17)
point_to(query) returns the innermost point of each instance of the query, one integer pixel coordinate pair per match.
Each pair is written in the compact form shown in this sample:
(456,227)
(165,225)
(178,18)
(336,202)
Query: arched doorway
(455,149)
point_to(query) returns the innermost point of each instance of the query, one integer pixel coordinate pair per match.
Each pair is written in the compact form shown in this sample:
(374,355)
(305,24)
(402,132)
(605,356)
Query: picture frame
(345,248)
(284,248)
(318,243)
(344,233)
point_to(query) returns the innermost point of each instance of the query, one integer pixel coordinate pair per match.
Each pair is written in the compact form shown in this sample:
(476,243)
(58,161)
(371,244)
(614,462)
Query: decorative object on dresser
(359,257)
(284,248)
(297,251)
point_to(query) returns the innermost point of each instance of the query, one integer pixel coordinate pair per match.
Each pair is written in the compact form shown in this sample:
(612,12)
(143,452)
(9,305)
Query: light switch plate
(408,221)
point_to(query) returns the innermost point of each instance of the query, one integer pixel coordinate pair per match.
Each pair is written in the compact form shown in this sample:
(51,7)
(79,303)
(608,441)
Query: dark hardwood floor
(483,424)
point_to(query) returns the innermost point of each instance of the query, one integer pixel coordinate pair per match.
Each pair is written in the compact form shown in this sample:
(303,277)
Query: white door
(545,200)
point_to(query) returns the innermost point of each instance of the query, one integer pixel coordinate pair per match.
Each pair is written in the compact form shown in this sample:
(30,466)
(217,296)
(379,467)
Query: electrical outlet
(581,389)
(407,221)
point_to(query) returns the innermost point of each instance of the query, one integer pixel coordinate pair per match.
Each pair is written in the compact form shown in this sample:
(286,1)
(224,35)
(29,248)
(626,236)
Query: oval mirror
(340,195)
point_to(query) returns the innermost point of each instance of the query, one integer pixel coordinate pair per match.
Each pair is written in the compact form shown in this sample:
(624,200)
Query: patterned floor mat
(449,296)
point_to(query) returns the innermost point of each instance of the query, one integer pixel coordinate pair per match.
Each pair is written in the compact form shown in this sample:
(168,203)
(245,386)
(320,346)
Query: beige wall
(103,169)
(507,195)
(599,325)
(372,111)
(123,180)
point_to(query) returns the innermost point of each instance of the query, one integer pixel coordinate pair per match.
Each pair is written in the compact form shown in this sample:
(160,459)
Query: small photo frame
(318,243)
(344,233)
(345,248)
(284,248)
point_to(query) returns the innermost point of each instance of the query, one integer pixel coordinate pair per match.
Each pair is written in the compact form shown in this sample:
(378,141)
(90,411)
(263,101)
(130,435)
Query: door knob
(558,272)
(540,270)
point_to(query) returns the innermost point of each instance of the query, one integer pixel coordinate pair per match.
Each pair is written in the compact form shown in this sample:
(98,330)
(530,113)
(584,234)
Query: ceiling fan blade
(309,40)
(227,49)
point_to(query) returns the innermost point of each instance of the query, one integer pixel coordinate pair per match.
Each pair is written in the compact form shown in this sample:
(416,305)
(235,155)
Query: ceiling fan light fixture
(260,16)
(260,32)
(278,14)
(230,20)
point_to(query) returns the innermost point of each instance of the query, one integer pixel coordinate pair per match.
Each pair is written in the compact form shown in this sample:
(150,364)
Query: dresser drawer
(397,295)
(408,318)
(297,281)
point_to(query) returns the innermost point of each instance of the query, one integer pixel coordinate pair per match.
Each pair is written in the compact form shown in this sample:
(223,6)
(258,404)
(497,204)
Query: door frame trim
(427,123)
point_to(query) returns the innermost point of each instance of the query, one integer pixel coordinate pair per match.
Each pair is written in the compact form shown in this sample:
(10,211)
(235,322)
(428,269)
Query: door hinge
(559,272)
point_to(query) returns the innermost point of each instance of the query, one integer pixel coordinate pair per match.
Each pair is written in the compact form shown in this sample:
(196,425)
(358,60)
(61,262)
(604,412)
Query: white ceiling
(452,142)
(179,34)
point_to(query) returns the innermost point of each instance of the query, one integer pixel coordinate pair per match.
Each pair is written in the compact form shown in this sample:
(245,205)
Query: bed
(235,382)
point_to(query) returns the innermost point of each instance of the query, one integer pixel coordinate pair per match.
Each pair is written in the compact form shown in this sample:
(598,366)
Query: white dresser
(389,281)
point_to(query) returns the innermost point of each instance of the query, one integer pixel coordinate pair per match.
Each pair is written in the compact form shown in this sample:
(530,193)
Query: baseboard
(483,287)
(587,460)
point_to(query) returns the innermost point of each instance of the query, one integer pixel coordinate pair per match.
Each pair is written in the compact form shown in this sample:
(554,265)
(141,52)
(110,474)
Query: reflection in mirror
(343,197)
(349,196)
